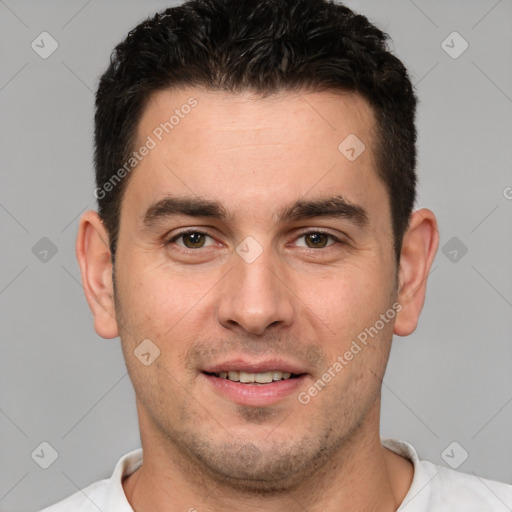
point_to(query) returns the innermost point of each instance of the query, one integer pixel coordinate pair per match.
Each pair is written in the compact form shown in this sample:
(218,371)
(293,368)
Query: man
(256,249)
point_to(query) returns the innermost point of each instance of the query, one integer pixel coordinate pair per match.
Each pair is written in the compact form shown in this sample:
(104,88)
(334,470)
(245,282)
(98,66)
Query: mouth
(260,378)
(255,383)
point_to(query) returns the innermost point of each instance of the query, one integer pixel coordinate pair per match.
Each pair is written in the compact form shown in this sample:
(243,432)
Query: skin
(298,302)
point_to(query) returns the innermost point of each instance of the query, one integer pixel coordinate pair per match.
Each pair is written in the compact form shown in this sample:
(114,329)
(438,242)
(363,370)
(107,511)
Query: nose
(256,295)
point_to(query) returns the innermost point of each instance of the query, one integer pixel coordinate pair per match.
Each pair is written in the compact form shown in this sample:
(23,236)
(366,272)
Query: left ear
(419,248)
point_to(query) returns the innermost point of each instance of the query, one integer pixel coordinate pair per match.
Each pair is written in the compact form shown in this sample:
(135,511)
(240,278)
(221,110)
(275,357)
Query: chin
(249,470)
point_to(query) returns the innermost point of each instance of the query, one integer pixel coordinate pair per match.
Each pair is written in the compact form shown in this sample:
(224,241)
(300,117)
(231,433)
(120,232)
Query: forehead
(248,151)
(230,116)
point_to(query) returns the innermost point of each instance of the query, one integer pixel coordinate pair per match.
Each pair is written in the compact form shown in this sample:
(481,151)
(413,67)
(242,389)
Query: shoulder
(442,489)
(454,490)
(90,499)
(106,495)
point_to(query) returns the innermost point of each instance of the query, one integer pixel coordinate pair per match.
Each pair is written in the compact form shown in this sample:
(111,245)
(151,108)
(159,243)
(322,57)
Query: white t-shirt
(434,488)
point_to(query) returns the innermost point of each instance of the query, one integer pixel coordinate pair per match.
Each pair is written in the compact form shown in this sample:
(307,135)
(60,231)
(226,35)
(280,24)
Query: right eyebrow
(190,206)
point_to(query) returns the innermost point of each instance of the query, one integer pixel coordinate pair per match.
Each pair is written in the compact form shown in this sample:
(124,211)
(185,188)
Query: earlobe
(419,248)
(94,258)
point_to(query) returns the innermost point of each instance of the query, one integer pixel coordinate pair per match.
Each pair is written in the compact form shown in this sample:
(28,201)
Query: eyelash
(195,231)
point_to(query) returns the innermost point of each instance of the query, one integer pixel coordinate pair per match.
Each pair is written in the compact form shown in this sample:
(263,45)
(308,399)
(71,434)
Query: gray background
(61,383)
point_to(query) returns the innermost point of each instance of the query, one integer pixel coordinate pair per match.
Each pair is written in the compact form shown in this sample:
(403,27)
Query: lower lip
(255,394)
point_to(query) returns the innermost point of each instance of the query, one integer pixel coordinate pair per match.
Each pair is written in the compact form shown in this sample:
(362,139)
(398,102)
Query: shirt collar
(116,498)
(130,462)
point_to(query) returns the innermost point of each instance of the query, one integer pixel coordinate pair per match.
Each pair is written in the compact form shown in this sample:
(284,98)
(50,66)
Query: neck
(360,475)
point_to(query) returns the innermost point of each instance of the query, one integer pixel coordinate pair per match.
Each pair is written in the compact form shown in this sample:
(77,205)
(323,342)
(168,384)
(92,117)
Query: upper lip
(255,367)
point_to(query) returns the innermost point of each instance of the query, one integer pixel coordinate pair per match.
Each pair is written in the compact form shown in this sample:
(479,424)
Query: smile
(253,378)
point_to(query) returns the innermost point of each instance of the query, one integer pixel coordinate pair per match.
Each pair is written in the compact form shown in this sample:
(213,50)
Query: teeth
(263,378)
(260,378)
(247,377)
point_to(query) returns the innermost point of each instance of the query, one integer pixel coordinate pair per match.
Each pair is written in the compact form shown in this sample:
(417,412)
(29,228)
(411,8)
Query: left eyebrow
(332,206)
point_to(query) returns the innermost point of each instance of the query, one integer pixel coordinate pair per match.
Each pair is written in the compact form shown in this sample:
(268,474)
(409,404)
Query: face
(250,243)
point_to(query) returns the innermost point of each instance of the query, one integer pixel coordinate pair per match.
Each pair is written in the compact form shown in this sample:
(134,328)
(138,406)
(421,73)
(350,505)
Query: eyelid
(307,231)
(186,232)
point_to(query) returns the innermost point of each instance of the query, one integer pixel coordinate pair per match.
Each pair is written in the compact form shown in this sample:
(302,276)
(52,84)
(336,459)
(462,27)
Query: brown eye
(190,239)
(314,240)
(317,240)
(196,240)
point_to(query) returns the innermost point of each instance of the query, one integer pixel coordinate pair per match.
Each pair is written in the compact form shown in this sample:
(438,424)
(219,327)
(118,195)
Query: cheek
(164,304)
(156,307)
(351,298)
(153,295)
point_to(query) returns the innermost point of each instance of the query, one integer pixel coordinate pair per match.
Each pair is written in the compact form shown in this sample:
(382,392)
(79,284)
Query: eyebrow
(332,206)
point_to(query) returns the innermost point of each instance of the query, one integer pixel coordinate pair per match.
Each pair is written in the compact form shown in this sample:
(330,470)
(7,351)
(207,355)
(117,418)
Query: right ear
(94,257)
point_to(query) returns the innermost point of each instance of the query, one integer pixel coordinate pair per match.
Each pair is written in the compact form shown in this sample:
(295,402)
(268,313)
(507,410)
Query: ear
(419,248)
(94,257)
